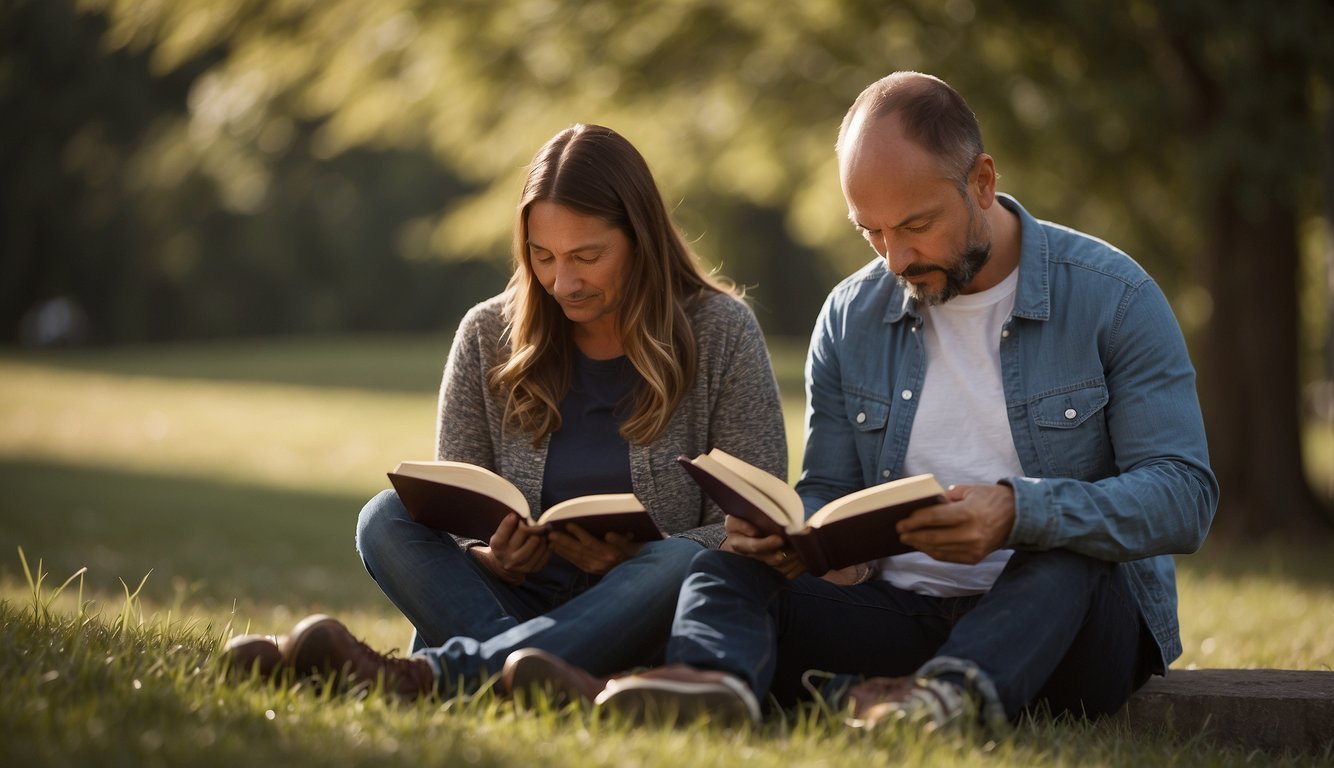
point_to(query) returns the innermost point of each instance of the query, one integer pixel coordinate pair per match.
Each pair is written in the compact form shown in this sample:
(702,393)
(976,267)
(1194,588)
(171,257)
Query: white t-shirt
(961,432)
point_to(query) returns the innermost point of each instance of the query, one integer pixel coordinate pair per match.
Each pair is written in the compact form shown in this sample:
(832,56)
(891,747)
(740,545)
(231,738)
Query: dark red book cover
(857,539)
(729,501)
(638,526)
(448,508)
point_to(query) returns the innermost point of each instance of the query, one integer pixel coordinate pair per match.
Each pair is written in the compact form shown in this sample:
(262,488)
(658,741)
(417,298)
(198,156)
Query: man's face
(916,218)
(956,272)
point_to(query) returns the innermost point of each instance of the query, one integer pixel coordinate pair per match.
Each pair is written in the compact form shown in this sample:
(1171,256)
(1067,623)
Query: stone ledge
(1252,708)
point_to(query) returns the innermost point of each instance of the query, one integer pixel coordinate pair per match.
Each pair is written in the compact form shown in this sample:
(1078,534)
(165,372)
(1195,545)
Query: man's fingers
(934,516)
(967,551)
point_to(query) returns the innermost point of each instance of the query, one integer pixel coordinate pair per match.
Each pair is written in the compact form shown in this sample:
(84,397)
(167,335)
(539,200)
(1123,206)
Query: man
(1040,374)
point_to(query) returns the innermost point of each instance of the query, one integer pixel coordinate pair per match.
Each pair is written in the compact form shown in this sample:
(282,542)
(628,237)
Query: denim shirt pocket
(867,415)
(1071,431)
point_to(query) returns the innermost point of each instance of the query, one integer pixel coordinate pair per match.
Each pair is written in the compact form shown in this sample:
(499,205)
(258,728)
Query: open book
(852,529)
(470,501)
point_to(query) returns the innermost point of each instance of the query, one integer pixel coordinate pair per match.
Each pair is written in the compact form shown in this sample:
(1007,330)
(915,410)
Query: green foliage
(133,190)
(246,167)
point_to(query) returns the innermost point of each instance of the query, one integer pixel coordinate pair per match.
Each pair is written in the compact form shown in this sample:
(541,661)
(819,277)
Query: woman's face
(583,262)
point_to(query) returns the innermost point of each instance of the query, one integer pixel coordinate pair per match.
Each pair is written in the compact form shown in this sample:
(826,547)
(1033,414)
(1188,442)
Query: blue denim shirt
(1100,394)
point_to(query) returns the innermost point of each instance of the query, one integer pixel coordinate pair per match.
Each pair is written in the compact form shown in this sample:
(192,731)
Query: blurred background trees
(182,169)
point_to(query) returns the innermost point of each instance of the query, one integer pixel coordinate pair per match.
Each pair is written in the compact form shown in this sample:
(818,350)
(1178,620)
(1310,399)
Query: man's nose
(897,256)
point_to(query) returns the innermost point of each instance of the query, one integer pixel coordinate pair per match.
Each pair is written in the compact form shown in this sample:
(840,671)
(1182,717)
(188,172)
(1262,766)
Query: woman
(609,354)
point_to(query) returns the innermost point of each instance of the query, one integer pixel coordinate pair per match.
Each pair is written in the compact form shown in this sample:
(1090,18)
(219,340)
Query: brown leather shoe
(532,669)
(680,695)
(321,646)
(252,654)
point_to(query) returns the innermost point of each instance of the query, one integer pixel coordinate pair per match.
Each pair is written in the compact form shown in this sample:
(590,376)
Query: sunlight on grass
(1255,605)
(1257,621)
(280,435)
(150,689)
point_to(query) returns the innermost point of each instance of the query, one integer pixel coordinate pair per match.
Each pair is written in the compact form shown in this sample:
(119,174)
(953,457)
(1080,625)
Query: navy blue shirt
(587,454)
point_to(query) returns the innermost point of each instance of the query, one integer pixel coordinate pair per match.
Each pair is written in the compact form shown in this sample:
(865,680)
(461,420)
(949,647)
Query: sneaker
(532,669)
(931,702)
(322,646)
(679,695)
(247,655)
(828,689)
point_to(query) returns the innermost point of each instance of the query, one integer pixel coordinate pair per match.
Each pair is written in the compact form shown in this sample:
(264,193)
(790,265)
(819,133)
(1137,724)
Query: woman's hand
(745,539)
(589,554)
(514,551)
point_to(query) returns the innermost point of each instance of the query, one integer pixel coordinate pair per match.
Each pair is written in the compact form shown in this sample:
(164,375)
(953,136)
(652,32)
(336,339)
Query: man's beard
(957,275)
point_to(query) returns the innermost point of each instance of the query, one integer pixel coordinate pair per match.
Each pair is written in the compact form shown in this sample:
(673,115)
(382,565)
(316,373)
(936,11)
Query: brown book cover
(855,528)
(730,500)
(860,538)
(637,526)
(471,501)
(460,511)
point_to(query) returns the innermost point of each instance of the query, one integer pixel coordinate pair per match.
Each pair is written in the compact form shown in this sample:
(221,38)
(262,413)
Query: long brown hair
(596,172)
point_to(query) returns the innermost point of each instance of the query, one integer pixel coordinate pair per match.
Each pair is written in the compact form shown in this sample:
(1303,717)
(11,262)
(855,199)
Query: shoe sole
(727,702)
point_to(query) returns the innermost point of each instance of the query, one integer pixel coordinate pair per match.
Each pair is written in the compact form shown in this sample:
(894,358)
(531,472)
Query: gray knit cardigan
(733,404)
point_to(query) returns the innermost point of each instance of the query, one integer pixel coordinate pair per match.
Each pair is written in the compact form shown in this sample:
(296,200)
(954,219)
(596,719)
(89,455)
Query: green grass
(210,490)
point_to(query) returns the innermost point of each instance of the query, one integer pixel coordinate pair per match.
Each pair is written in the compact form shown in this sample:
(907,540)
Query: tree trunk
(1241,109)
(1248,377)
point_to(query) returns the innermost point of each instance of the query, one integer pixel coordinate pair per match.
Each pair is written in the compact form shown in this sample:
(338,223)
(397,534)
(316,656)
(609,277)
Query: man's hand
(853,574)
(974,521)
(592,555)
(745,539)
(514,551)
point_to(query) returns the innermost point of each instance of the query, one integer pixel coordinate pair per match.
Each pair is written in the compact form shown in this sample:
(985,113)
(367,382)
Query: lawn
(197,491)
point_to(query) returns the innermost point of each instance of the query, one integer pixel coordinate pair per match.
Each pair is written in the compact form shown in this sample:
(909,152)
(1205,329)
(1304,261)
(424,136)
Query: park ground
(158,500)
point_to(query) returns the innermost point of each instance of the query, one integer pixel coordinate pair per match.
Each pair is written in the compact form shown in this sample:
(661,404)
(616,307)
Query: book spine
(729,501)
(812,554)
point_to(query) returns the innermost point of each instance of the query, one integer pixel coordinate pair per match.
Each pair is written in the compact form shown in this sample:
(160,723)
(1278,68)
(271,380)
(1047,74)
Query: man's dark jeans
(1056,627)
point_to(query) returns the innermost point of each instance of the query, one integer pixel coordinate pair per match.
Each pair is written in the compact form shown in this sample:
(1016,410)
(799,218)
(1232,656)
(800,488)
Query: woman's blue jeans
(1057,627)
(467,621)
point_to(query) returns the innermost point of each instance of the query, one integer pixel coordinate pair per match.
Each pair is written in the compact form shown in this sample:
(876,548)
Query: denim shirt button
(1070,413)
(885,473)
(861,417)
(907,394)
(1005,334)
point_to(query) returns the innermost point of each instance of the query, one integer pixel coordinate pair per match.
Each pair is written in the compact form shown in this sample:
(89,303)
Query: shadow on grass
(209,541)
